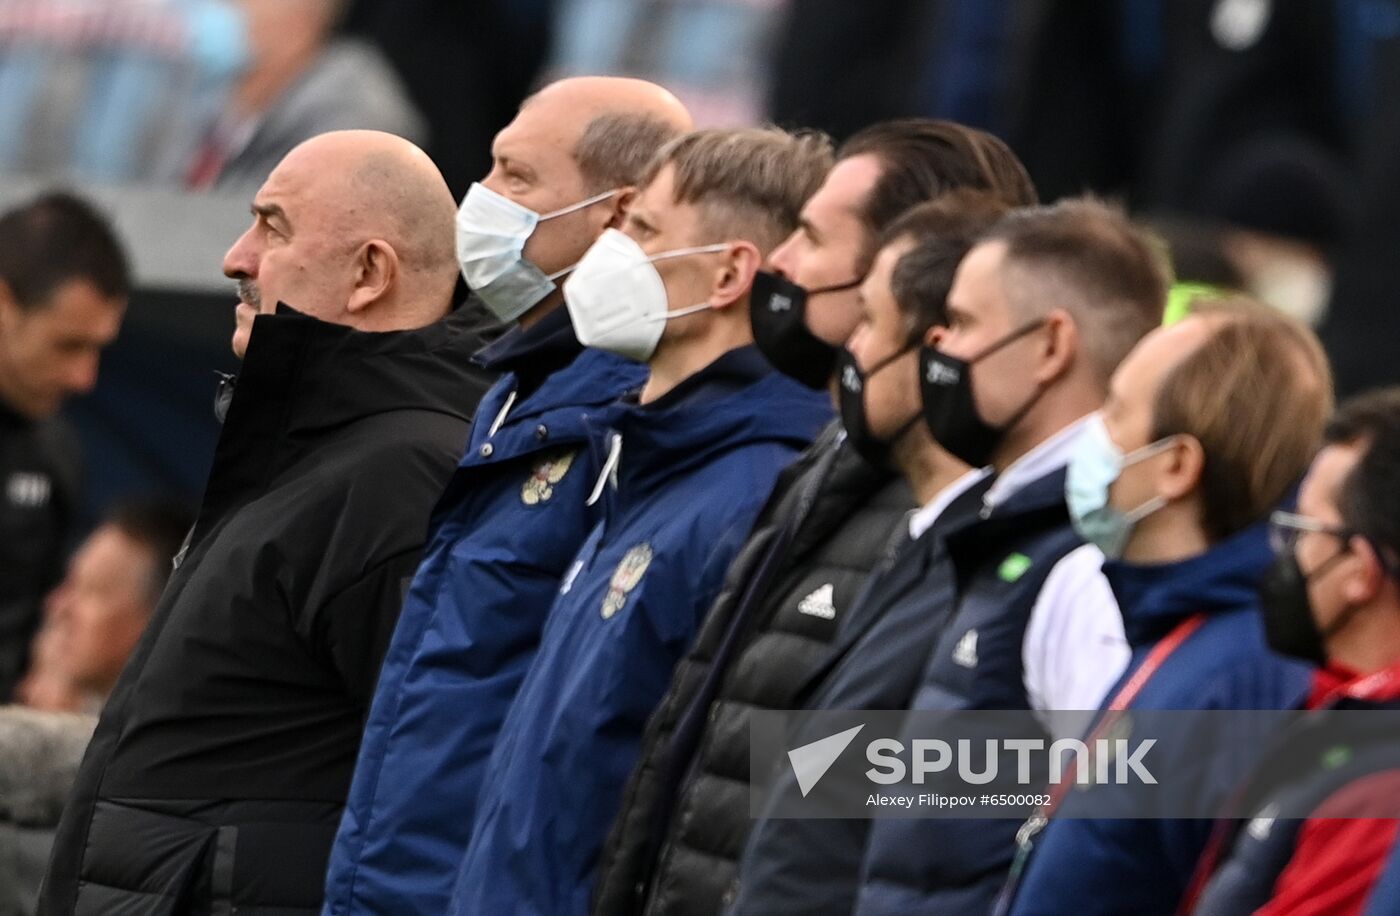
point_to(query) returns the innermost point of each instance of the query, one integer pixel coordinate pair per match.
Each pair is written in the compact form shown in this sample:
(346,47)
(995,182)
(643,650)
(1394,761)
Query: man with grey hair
(517,510)
(218,771)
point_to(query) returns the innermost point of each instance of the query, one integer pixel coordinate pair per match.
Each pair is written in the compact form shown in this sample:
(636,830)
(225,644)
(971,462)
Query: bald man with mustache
(517,509)
(216,777)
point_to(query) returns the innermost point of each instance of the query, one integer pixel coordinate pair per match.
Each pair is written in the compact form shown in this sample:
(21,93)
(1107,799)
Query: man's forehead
(845,191)
(1323,482)
(541,130)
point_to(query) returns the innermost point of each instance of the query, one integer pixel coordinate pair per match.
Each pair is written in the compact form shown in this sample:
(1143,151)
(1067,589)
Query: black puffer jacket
(216,777)
(675,846)
(40,473)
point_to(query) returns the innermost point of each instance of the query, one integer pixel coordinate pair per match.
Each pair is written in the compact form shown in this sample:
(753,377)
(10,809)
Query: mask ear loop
(565,211)
(596,198)
(1137,455)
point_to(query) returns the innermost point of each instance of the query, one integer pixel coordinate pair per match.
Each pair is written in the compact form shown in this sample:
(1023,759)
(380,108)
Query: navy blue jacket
(512,518)
(1385,896)
(1145,866)
(957,866)
(696,466)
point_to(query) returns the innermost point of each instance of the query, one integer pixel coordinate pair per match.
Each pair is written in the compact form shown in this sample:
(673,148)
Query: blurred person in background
(710,53)
(1331,598)
(94,617)
(516,510)
(93,620)
(1175,484)
(64,283)
(675,845)
(222,760)
(112,90)
(301,80)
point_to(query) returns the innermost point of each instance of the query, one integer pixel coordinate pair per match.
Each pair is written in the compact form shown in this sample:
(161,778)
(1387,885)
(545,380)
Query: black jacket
(39,477)
(684,819)
(216,777)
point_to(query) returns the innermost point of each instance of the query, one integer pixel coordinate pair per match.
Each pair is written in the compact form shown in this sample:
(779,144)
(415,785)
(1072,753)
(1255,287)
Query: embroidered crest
(626,577)
(545,474)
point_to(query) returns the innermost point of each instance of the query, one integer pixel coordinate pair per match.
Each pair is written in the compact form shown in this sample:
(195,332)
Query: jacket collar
(537,352)
(1225,578)
(737,399)
(1049,456)
(321,375)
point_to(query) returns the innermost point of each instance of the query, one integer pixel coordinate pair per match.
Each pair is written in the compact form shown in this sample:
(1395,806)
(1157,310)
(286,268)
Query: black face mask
(950,410)
(778,314)
(851,397)
(1289,625)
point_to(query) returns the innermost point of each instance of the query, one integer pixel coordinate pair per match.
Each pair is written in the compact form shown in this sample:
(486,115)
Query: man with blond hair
(690,462)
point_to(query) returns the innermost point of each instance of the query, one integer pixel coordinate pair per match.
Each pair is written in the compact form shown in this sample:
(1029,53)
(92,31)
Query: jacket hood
(1225,578)
(736,401)
(326,375)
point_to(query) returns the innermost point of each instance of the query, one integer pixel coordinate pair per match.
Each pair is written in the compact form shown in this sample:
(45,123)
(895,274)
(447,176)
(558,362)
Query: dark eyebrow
(272,212)
(808,228)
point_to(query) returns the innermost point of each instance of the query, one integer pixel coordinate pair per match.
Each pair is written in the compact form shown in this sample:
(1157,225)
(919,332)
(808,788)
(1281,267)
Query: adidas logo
(965,652)
(820,603)
(811,761)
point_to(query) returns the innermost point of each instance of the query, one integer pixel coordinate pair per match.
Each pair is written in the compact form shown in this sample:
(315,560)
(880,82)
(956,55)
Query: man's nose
(240,262)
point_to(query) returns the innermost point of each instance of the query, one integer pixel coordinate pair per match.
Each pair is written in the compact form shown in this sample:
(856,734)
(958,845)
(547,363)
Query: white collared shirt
(1074,648)
(922,518)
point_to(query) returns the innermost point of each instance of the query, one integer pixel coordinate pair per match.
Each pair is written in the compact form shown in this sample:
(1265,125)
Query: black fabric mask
(950,409)
(851,399)
(1289,625)
(778,314)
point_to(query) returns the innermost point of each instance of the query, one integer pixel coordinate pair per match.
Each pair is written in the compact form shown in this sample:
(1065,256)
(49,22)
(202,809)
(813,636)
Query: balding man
(517,510)
(219,769)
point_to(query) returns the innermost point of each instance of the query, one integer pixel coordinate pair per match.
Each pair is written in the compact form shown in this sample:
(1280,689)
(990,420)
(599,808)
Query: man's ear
(12,314)
(1366,580)
(1185,463)
(734,277)
(620,202)
(376,275)
(1061,346)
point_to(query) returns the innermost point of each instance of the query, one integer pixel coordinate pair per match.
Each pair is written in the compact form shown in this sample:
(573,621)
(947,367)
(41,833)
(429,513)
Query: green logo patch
(1014,567)
(1336,757)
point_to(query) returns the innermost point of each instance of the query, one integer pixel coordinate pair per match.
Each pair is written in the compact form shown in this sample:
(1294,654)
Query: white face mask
(616,299)
(491,234)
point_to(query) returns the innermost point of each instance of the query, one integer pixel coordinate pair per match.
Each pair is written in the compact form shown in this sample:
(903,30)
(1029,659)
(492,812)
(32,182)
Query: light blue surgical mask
(491,234)
(1093,468)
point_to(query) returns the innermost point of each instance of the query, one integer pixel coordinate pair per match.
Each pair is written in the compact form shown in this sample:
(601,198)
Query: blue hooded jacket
(696,467)
(1145,866)
(507,527)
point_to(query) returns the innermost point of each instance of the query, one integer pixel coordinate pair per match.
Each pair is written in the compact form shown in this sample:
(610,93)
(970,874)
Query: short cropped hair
(942,232)
(160,526)
(1256,395)
(616,148)
(1089,259)
(922,159)
(55,239)
(1369,498)
(749,183)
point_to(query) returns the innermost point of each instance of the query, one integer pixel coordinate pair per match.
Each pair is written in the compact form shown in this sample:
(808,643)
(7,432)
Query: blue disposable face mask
(491,234)
(1093,468)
